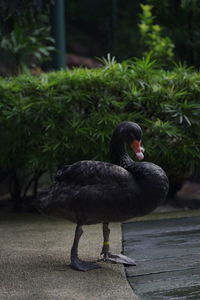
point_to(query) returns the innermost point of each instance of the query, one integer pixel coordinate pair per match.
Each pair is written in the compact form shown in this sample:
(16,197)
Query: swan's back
(93,172)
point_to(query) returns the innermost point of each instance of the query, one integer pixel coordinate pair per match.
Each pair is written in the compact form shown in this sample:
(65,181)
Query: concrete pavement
(34,261)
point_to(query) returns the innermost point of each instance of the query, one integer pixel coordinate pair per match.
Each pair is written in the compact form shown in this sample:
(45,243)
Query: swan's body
(90,192)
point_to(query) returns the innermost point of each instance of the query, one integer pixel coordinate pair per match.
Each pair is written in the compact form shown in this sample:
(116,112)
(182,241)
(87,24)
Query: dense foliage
(65,116)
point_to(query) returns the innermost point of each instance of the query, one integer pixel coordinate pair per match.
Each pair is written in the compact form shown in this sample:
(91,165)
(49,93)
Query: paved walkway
(167,253)
(34,261)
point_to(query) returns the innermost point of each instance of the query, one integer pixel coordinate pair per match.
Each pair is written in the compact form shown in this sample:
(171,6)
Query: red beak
(136,146)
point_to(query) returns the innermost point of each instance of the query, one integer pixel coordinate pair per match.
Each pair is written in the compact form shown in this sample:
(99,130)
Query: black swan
(91,192)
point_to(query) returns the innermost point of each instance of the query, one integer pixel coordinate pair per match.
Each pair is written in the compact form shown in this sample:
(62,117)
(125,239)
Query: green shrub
(65,116)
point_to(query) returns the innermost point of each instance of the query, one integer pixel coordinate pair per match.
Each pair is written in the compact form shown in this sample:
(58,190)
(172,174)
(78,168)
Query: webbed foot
(118,259)
(84,266)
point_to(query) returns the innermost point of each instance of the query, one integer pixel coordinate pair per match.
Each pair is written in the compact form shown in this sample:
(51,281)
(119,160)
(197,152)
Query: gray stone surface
(167,253)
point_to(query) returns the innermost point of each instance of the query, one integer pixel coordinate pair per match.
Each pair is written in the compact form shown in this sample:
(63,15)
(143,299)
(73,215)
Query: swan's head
(131,134)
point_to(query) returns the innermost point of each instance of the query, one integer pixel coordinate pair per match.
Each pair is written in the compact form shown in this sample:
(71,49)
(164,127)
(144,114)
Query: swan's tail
(44,198)
(53,198)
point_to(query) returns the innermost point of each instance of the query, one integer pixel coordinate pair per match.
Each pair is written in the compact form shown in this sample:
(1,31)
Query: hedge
(61,117)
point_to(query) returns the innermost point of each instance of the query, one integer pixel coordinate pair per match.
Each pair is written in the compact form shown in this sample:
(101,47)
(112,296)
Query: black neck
(118,152)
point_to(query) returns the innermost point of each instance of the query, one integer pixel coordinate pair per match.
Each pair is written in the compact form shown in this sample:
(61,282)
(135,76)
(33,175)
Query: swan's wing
(93,172)
(91,203)
(101,203)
